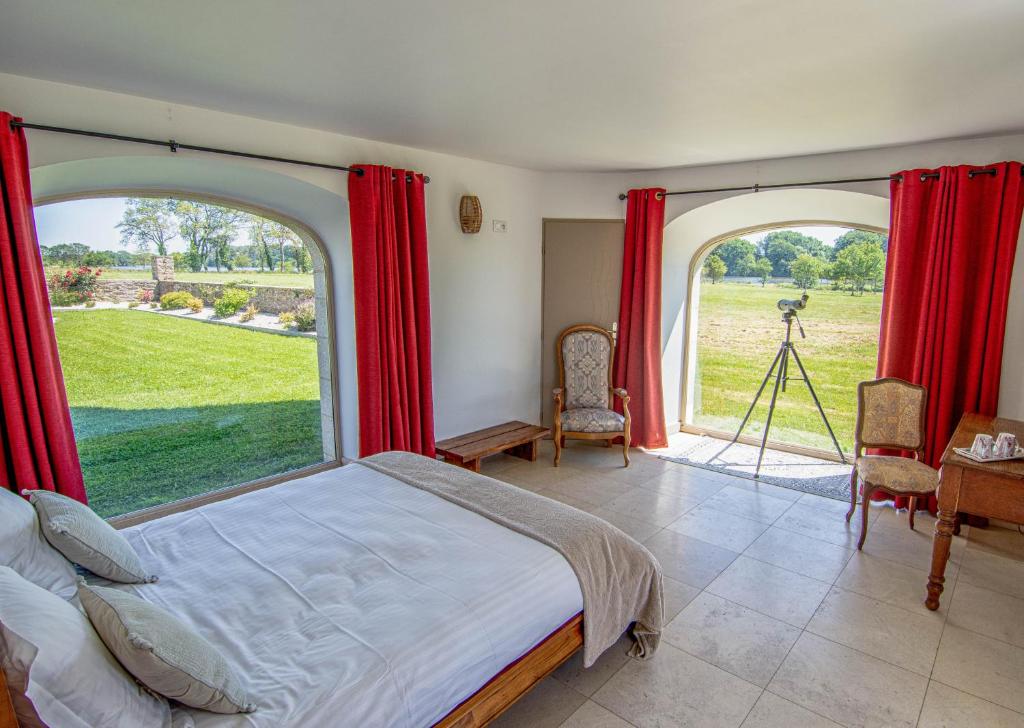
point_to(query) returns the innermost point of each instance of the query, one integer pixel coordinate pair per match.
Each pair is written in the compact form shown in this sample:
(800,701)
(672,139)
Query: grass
(738,335)
(281,280)
(164,408)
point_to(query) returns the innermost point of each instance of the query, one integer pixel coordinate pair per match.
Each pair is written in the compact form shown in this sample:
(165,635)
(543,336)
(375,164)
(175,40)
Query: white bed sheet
(349,598)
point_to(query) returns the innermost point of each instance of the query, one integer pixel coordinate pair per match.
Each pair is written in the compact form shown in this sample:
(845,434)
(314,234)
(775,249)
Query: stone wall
(268,299)
(116,290)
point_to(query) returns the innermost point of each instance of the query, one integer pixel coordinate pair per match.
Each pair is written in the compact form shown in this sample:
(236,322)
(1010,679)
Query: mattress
(349,598)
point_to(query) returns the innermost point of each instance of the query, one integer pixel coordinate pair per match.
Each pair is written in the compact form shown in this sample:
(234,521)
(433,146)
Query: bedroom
(524,108)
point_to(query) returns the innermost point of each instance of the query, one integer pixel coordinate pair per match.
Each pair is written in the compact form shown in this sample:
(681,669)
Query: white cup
(983,446)
(1006,444)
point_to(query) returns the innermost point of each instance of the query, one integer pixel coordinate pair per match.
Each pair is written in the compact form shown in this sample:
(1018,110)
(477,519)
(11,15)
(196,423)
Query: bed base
(517,679)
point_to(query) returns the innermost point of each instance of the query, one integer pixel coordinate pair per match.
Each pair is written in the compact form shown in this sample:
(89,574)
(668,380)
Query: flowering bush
(144,296)
(74,286)
(305,317)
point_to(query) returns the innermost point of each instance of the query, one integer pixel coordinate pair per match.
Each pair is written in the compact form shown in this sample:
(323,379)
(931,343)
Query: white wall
(596,196)
(485,288)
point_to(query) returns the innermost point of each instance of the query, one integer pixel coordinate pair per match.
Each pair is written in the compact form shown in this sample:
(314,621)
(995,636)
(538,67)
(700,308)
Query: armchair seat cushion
(900,475)
(592,419)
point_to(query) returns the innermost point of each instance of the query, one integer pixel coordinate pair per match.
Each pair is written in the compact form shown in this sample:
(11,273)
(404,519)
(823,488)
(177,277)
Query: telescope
(791,305)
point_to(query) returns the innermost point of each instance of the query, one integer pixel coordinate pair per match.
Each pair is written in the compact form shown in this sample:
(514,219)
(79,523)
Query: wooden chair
(890,416)
(583,398)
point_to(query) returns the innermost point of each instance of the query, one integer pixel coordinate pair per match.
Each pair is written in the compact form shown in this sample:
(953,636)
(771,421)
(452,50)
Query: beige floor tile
(734,638)
(896,542)
(588,680)
(677,596)
(824,504)
(718,528)
(691,483)
(981,666)
(589,488)
(779,593)
(756,486)
(906,639)
(677,689)
(740,502)
(651,505)
(688,560)
(847,686)
(640,530)
(567,500)
(821,524)
(995,615)
(804,555)
(889,517)
(993,569)
(771,711)
(1008,542)
(537,474)
(547,705)
(946,707)
(887,581)
(592,715)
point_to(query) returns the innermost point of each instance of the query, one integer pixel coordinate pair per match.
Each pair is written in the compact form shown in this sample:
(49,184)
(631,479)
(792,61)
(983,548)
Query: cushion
(592,419)
(586,357)
(23,548)
(162,652)
(58,671)
(86,539)
(901,475)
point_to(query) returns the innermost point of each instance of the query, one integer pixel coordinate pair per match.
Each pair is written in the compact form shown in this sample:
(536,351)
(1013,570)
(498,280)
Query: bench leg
(526,451)
(473,465)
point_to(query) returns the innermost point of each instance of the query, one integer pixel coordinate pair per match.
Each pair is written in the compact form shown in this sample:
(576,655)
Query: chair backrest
(890,414)
(585,366)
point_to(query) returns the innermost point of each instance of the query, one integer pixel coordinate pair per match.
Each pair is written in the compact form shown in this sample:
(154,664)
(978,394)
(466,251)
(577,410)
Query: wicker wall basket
(470,214)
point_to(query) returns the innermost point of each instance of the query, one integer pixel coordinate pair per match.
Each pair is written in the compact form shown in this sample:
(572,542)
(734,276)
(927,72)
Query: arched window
(194,337)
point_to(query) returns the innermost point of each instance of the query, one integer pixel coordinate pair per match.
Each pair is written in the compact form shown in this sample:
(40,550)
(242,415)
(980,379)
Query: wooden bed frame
(479,709)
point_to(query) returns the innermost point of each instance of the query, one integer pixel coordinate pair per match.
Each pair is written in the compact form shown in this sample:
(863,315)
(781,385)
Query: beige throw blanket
(619,578)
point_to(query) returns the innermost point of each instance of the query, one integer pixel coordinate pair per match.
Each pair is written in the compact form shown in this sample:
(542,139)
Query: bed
(350,597)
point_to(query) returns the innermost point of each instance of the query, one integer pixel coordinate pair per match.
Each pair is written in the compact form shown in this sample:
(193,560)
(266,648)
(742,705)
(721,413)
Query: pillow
(86,539)
(162,652)
(23,548)
(58,671)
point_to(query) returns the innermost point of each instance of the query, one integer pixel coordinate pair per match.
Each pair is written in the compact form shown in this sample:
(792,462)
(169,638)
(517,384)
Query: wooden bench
(514,438)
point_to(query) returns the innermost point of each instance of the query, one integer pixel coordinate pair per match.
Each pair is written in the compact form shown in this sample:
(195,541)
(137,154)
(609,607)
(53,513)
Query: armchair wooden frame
(560,435)
(860,445)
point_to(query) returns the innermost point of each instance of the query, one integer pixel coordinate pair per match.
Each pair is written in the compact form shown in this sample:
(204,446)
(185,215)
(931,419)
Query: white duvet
(349,598)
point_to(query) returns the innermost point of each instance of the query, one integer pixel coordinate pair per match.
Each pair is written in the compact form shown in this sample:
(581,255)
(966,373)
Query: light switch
(499,226)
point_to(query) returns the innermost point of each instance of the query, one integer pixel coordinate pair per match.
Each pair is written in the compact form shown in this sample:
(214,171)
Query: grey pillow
(163,653)
(86,539)
(23,548)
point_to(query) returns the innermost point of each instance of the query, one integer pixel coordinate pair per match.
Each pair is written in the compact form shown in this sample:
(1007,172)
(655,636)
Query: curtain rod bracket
(173,146)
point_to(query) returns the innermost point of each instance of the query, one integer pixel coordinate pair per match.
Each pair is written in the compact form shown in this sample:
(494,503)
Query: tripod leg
(783,352)
(817,404)
(785,371)
(764,382)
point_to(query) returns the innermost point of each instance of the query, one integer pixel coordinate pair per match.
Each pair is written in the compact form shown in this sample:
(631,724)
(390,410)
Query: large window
(194,342)
(739,329)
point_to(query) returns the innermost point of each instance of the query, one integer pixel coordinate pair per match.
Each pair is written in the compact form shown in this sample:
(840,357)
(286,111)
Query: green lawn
(283,280)
(165,408)
(738,335)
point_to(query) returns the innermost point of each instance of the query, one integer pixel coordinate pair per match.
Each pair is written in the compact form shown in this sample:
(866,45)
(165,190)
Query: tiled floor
(773,619)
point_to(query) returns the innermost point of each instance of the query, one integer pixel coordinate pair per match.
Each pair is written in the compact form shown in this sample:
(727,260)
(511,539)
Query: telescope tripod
(780,368)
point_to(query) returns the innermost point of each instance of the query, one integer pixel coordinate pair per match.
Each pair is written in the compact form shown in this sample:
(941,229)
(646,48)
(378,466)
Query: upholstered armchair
(583,399)
(890,416)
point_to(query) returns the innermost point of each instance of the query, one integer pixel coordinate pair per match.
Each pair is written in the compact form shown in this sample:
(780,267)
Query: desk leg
(949,495)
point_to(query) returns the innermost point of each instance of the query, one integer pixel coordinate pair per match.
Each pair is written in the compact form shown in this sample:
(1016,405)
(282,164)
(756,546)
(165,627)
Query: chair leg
(913,507)
(558,450)
(625,451)
(853,494)
(864,512)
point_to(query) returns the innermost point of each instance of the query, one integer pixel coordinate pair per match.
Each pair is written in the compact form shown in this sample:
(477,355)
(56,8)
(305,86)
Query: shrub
(74,286)
(249,313)
(90,303)
(195,305)
(144,296)
(133,304)
(177,299)
(286,319)
(154,305)
(305,317)
(230,301)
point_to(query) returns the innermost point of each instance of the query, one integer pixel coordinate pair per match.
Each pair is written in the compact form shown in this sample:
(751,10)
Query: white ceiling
(555,84)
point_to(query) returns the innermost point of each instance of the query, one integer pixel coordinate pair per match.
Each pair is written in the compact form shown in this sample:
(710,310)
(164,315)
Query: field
(738,335)
(165,408)
(283,280)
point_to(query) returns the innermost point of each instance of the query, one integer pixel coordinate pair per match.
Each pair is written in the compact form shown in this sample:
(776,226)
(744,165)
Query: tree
(147,221)
(859,265)
(64,253)
(807,270)
(98,259)
(208,230)
(762,268)
(737,254)
(780,253)
(715,268)
(803,243)
(851,237)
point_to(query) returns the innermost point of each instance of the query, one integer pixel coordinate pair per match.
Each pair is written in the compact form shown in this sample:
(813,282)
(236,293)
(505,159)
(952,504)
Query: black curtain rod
(757,187)
(174,146)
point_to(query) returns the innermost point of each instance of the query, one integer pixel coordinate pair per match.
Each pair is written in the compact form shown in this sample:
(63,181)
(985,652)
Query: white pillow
(57,669)
(23,548)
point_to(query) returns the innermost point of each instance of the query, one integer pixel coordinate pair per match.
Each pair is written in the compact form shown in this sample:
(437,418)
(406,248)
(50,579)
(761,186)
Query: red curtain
(392,306)
(953,235)
(37,444)
(638,354)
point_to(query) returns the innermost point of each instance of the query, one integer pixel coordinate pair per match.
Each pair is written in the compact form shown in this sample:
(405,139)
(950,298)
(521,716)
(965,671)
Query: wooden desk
(994,490)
